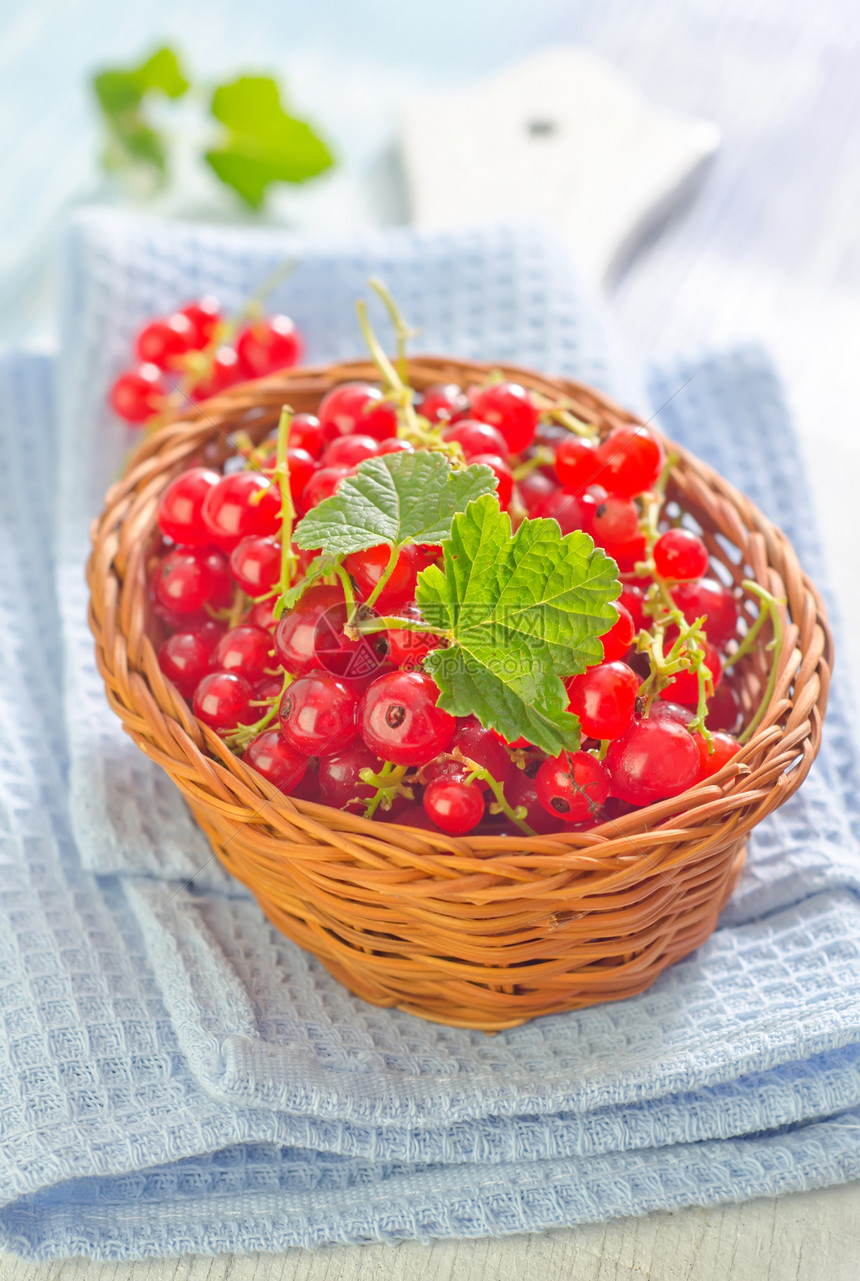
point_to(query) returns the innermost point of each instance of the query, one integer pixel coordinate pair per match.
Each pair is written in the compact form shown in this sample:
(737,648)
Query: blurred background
(733,217)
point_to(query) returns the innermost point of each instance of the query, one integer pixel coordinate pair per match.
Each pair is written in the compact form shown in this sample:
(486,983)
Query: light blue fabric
(175,1075)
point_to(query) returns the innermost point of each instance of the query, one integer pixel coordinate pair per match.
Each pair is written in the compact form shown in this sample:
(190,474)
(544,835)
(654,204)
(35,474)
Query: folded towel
(177,1076)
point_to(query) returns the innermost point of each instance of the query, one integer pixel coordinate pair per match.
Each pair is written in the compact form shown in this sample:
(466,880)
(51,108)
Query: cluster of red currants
(351,720)
(188,353)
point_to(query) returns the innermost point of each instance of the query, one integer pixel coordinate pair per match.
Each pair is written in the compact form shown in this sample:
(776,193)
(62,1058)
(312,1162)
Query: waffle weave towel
(174,1075)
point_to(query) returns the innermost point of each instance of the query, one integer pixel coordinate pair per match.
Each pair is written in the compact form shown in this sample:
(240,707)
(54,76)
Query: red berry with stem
(654,760)
(138,394)
(317,715)
(339,776)
(576,463)
(306,433)
(165,342)
(619,638)
(349,451)
(604,699)
(572,787)
(182,581)
(357,408)
(296,633)
(476,438)
(255,563)
(366,569)
(223,701)
(442,401)
(508,407)
(243,504)
(301,469)
(267,345)
(615,523)
(520,789)
(180,508)
(710,600)
(272,756)
(570,511)
(224,372)
(684,687)
(630,460)
(483,747)
(454,805)
(681,555)
(204,317)
(407,648)
(245,650)
(718,753)
(184,659)
(399,720)
(503,474)
(321,485)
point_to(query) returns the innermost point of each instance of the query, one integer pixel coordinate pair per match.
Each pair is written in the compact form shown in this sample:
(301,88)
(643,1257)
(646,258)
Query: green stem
(398,389)
(348,593)
(282,475)
(769,605)
(388,783)
(752,635)
(384,577)
(402,331)
(518,815)
(238,739)
(368,625)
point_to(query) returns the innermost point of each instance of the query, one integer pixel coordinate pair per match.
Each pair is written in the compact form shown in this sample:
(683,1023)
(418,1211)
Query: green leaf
(263,144)
(318,568)
(120,93)
(396,499)
(522,611)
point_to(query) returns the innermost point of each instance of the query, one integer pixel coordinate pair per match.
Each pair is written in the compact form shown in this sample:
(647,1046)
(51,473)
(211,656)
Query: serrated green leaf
(318,568)
(522,611)
(121,92)
(263,143)
(396,499)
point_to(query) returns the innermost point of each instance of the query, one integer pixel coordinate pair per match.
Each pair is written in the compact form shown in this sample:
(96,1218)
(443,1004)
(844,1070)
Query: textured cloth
(174,1074)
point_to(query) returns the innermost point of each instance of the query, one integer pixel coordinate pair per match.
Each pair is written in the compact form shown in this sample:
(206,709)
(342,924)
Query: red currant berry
(572,787)
(681,555)
(180,507)
(183,582)
(184,659)
(630,461)
(684,688)
(534,489)
(204,318)
(262,614)
(576,463)
(476,438)
(268,345)
(628,555)
(317,715)
(664,711)
(721,750)
(272,756)
(406,648)
(367,568)
(633,600)
(165,342)
(220,578)
(321,485)
(710,600)
(306,433)
(619,638)
(239,506)
(339,776)
(521,790)
(724,710)
(571,511)
(453,805)
(654,760)
(395,446)
(483,747)
(138,394)
(301,469)
(245,650)
(604,699)
(357,407)
(615,523)
(399,720)
(441,401)
(255,563)
(223,373)
(223,701)
(349,451)
(503,474)
(296,632)
(508,407)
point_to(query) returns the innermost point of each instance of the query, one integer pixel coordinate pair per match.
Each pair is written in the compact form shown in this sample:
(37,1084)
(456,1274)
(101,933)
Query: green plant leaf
(263,144)
(318,568)
(397,499)
(120,93)
(522,611)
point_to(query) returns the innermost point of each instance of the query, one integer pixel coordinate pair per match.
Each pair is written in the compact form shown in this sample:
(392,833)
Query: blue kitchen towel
(175,1075)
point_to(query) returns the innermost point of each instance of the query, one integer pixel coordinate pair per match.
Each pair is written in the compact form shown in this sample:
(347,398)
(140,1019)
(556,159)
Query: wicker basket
(481,932)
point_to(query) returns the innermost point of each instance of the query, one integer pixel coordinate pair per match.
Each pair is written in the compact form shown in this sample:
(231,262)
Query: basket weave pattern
(489,931)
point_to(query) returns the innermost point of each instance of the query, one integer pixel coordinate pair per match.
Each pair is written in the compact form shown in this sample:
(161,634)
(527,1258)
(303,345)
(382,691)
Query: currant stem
(238,739)
(282,476)
(401,329)
(366,626)
(388,783)
(398,390)
(769,605)
(517,816)
(384,576)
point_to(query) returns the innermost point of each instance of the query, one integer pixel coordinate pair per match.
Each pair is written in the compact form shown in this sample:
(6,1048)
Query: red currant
(476,438)
(267,345)
(503,474)
(321,485)
(301,469)
(184,659)
(453,805)
(630,461)
(628,555)
(395,446)
(357,407)
(138,394)
(339,780)
(407,648)
(724,709)
(680,554)
(604,699)
(441,401)
(183,582)
(709,599)
(349,451)
(317,715)
(520,789)
(245,650)
(534,489)
(632,598)
(204,318)
(224,372)
(262,614)
(572,787)
(165,342)
(654,760)
(615,523)
(240,505)
(220,578)
(576,463)
(483,747)
(721,750)
(399,720)
(272,756)
(306,433)
(619,638)
(223,701)
(684,688)
(255,563)
(570,511)
(366,569)
(510,408)
(296,632)
(181,505)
